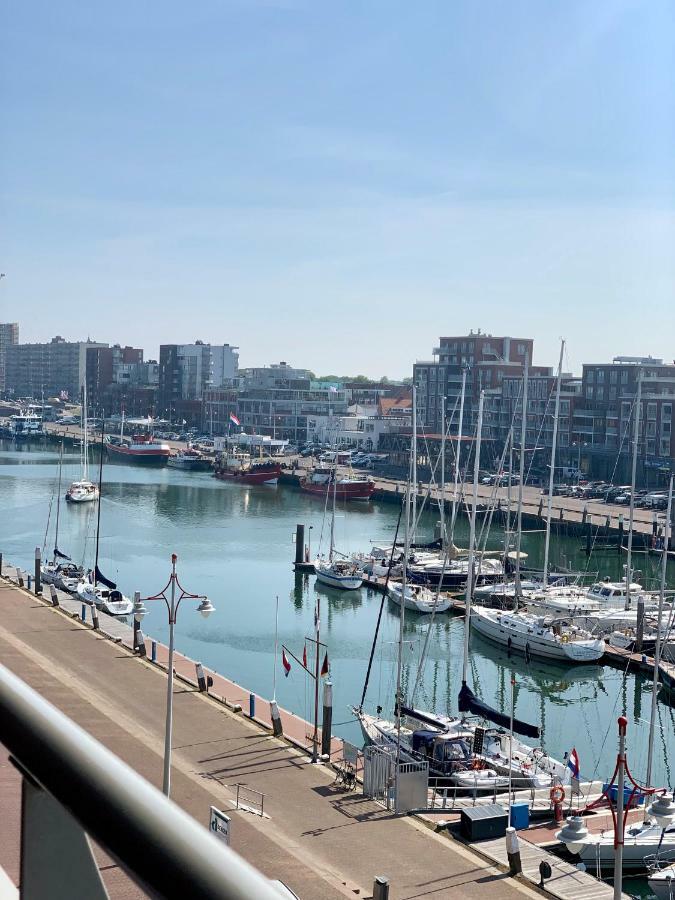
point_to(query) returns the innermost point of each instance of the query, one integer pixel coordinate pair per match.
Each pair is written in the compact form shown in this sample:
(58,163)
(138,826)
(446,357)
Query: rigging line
(379,615)
(49,515)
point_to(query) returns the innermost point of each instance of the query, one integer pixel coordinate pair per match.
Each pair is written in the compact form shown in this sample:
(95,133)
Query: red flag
(285,662)
(304,656)
(324,667)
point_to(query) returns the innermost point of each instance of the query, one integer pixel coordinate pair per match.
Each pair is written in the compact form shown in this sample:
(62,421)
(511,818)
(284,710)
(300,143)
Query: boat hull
(267,475)
(532,644)
(341,582)
(356,490)
(129,456)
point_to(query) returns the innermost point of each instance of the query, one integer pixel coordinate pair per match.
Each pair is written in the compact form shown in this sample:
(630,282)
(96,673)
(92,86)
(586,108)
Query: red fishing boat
(241,468)
(347,487)
(141,450)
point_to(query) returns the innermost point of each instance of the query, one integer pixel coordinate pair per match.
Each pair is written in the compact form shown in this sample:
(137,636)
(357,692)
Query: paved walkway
(320,841)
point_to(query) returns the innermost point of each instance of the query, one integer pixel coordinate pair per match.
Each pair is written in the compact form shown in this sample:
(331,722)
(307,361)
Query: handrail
(156,841)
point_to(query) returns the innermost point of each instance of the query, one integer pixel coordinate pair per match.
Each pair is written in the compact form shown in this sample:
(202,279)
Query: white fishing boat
(547,638)
(84,490)
(418,598)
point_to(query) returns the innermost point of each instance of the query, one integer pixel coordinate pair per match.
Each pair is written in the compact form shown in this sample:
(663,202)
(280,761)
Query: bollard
(277,727)
(558,813)
(84,612)
(54,595)
(327,720)
(0,565)
(29,580)
(153,651)
(299,543)
(381,888)
(19,578)
(251,706)
(201,678)
(513,851)
(94,617)
(38,571)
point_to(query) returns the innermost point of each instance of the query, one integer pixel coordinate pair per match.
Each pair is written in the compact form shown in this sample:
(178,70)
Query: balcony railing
(72,785)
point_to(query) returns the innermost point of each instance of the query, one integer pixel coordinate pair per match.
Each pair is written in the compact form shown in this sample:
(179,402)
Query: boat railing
(74,786)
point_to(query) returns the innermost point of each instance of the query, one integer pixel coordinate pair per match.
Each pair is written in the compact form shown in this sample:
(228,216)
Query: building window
(651,448)
(600,393)
(601,376)
(624,377)
(665,446)
(589,392)
(521,349)
(666,412)
(651,410)
(591,376)
(613,377)
(651,429)
(665,428)
(625,410)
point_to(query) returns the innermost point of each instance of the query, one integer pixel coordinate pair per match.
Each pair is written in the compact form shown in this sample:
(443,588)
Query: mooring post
(251,706)
(381,888)
(327,720)
(277,725)
(84,612)
(38,571)
(54,595)
(153,651)
(94,616)
(1,565)
(513,851)
(299,544)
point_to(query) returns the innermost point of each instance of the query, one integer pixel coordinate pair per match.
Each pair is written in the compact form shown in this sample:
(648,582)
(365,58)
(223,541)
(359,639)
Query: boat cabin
(446,753)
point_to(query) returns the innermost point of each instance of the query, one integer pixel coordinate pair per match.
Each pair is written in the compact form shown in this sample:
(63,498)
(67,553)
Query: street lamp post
(205,608)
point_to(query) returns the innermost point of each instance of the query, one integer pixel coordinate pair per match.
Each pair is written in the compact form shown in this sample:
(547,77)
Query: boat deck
(539,800)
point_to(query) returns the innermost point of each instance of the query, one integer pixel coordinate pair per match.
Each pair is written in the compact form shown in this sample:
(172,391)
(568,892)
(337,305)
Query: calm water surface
(236,545)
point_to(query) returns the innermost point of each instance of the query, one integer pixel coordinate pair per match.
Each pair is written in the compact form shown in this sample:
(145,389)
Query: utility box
(520,815)
(480,823)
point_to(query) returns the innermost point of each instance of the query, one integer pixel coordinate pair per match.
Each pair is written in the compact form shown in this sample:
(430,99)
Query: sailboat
(467,755)
(60,571)
(83,491)
(341,573)
(646,843)
(96,589)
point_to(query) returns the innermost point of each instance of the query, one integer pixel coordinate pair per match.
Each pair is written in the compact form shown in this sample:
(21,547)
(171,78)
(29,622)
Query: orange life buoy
(557,793)
(477,764)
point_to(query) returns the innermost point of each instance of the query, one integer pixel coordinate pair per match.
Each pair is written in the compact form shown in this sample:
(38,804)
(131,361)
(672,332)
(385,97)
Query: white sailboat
(341,573)
(96,589)
(418,598)
(84,490)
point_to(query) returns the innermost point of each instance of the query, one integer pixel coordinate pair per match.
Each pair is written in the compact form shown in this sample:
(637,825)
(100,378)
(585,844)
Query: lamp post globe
(573,834)
(663,810)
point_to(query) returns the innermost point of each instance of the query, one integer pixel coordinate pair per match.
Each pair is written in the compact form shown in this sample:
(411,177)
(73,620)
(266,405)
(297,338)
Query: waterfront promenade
(322,842)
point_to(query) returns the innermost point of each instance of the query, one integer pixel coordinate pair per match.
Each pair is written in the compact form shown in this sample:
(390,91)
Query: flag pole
(513,684)
(315,736)
(276,649)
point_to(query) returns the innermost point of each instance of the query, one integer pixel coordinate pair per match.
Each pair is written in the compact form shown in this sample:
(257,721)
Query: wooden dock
(539,800)
(567,882)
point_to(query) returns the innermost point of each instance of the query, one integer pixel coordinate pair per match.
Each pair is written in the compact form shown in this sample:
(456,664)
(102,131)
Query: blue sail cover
(468,702)
(103,580)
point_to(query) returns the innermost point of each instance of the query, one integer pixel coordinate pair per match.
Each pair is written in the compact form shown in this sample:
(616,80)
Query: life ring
(477,764)
(564,638)
(557,793)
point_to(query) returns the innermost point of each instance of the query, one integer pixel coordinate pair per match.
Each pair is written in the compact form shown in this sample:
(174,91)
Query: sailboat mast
(85,442)
(523,440)
(458,455)
(100,499)
(414,465)
(657,649)
(472,536)
(332,518)
(58,500)
(443,539)
(401,625)
(633,478)
(554,443)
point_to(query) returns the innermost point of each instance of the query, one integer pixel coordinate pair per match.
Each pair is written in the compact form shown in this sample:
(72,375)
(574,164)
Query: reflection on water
(236,544)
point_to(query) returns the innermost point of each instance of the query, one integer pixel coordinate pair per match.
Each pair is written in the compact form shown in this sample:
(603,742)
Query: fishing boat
(139,450)
(347,487)
(189,460)
(83,491)
(26,425)
(547,638)
(241,468)
(419,599)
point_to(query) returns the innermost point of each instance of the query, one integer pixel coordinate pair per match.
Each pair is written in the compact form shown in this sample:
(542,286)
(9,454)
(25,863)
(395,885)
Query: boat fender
(557,793)
(509,643)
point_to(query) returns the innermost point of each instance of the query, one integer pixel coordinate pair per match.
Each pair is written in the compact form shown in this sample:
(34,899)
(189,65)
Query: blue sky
(337,184)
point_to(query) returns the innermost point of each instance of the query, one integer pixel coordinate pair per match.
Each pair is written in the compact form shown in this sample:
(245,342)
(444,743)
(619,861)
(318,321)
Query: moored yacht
(418,598)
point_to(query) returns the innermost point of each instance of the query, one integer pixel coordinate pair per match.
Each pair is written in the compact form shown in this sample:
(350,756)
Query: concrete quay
(320,840)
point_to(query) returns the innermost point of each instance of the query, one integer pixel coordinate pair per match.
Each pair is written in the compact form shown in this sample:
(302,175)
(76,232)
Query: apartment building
(9,335)
(188,371)
(53,369)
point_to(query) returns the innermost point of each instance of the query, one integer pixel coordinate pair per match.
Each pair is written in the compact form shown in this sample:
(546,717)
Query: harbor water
(235,544)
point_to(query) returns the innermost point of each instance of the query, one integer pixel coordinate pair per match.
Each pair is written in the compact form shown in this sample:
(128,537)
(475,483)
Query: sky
(336,184)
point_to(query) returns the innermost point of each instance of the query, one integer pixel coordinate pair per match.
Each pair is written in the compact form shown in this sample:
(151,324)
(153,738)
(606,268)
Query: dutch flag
(285,662)
(573,763)
(234,419)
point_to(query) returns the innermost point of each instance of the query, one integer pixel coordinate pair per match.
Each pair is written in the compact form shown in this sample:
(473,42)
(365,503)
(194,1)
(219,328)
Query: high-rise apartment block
(9,335)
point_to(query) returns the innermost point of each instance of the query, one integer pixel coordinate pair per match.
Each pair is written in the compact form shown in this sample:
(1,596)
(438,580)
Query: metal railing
(71,780)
